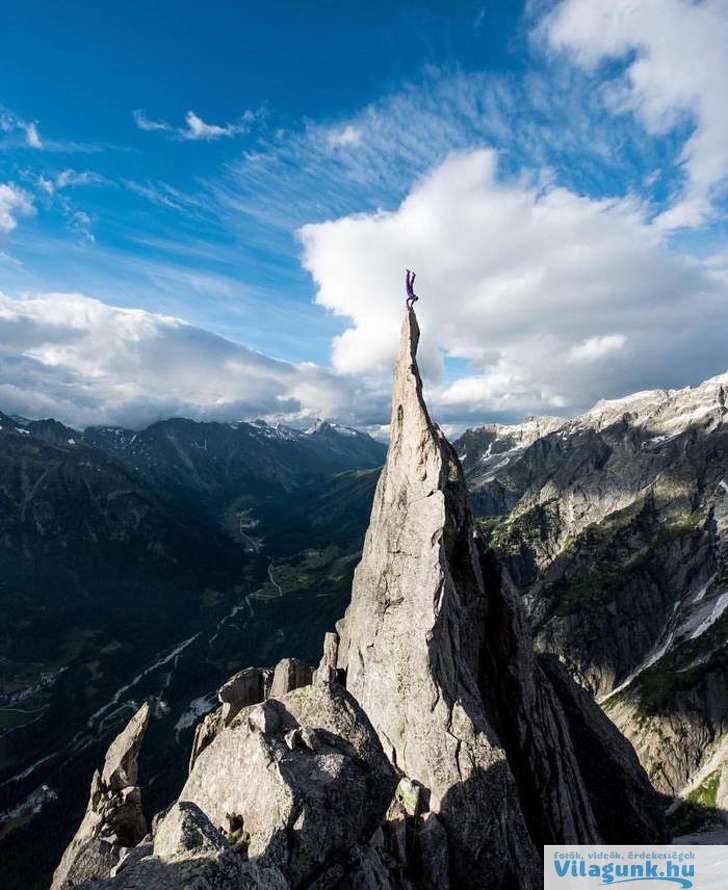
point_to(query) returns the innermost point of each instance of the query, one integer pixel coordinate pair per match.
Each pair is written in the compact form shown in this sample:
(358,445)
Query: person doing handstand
(409,284)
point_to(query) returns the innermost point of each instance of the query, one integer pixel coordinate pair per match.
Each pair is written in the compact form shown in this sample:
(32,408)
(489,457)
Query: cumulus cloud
(677,68)
(85,362)
(195,128)
(14,202)
(522,282)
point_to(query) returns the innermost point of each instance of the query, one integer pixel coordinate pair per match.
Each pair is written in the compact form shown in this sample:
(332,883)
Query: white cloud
(679,70)
(343,136)
(521,280)
(145,123)
(198,129)
(69,178)
(85,362)
(10,123)
(595,348)
(31,135)
(14,202)
(195,128)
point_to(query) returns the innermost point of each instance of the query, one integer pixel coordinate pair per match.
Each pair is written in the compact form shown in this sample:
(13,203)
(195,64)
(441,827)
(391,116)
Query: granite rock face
(309,779)
(627,811)
(114,818)
(437,652)
(189,851)
(290,674)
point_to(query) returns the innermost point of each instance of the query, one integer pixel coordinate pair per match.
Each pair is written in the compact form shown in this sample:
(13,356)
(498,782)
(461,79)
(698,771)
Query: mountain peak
(436,649)
(412,638)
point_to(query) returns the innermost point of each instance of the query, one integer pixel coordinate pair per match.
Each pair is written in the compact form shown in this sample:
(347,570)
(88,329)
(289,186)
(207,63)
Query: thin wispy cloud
(81,224)
(195,129)
(347,135)
(372,158)
(165,195)
(70,178)
(10,123)
(145,123)
(14,203)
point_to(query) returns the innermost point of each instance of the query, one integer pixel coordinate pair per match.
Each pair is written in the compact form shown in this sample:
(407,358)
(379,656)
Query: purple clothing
(411,295)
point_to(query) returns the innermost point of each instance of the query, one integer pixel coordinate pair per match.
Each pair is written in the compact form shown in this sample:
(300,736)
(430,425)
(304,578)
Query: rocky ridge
(429,749)
(216,460)
(614,527)
(114,821)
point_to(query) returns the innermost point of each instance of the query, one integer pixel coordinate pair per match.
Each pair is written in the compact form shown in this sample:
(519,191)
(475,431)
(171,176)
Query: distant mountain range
(146,563)
(615,526)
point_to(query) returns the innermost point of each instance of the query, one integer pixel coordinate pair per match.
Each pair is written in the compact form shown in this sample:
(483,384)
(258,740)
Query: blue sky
(263,172)
(82,69)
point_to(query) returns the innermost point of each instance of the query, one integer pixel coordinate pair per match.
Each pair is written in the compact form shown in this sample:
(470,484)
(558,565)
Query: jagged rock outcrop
(248,687)
(290,674)
(293,789)
(205,731)
(309,780)
(114,818)
(326,671)
(189,851)
(436,650)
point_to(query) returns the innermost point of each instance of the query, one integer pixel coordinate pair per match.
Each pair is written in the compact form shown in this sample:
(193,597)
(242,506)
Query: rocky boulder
(302,778)
(114,819)
(248,687)
(190,852)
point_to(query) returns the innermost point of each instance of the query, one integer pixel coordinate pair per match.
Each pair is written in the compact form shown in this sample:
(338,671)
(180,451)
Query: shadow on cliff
(456,806)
